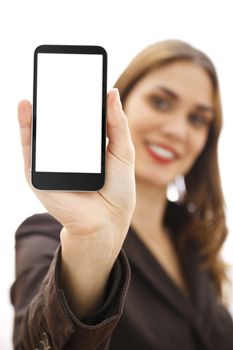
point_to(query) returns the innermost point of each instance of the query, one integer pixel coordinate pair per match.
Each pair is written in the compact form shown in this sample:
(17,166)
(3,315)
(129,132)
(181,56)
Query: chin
(155,181)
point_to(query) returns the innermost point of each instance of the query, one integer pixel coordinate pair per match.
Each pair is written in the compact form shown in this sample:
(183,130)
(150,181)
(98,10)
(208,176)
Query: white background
(123,28)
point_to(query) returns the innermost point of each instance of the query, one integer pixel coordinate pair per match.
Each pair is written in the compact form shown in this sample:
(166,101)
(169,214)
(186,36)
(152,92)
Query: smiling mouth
(161,154)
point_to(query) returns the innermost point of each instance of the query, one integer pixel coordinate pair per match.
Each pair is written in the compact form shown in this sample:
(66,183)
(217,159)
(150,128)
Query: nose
(176,127)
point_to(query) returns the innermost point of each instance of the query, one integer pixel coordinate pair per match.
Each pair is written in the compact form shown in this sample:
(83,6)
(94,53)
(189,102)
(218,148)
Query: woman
(164,289)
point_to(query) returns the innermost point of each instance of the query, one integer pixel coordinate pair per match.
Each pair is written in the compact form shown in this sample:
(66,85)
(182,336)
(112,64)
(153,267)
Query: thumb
(118,133)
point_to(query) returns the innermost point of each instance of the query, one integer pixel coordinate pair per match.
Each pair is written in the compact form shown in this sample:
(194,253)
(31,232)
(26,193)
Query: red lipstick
(159,158)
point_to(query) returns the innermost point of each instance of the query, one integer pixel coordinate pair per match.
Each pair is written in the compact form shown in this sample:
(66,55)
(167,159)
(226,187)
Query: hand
(83,213)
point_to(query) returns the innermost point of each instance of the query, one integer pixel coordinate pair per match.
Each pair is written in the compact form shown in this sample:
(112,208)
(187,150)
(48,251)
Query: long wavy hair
(200,218)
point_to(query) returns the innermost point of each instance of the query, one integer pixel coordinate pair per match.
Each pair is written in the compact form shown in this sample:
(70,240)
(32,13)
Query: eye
(198,120)
(159,102)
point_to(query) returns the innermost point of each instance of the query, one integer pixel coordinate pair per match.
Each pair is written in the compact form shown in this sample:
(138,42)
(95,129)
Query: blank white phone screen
(69,113)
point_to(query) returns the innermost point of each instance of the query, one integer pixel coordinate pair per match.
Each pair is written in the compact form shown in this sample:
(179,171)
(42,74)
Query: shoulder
(39,224)
(36,240)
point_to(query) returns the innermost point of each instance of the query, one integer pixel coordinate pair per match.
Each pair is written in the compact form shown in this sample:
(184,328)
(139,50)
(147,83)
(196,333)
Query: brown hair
(200,218)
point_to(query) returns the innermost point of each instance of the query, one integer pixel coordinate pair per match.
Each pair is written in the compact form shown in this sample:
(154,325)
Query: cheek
(138,123)
(136,132)
(196,146)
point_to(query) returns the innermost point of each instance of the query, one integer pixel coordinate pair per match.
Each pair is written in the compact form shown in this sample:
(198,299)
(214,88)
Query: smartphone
(69,117)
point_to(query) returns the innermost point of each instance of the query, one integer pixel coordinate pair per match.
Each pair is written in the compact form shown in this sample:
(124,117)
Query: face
(169,112)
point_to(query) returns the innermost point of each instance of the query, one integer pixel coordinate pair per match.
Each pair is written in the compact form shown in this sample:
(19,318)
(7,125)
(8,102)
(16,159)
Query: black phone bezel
(69,181)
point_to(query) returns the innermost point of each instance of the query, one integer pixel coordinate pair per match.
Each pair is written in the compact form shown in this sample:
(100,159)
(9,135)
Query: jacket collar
(197,307)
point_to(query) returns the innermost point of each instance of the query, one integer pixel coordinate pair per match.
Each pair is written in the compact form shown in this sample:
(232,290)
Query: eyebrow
(174,96)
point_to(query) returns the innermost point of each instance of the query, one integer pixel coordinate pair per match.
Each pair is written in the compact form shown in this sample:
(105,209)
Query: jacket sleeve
(43,318)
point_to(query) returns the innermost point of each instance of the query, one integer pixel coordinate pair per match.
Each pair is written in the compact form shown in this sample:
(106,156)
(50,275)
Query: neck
(149,210)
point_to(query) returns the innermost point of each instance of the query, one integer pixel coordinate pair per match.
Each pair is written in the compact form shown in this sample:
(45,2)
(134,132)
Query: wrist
(95,247)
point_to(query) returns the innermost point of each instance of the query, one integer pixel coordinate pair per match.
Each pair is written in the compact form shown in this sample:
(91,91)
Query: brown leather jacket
(148,313)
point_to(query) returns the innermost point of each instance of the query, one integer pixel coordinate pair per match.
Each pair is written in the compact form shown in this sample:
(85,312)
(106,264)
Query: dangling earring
(176,190)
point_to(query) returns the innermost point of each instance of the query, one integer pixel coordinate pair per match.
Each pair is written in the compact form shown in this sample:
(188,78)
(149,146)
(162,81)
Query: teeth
(162,152)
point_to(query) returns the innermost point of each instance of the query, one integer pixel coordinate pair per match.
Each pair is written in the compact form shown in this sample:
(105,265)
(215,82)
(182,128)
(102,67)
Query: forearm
(85,268)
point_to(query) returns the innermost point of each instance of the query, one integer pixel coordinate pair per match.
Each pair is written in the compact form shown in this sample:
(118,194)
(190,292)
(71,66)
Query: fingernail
(118,98)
